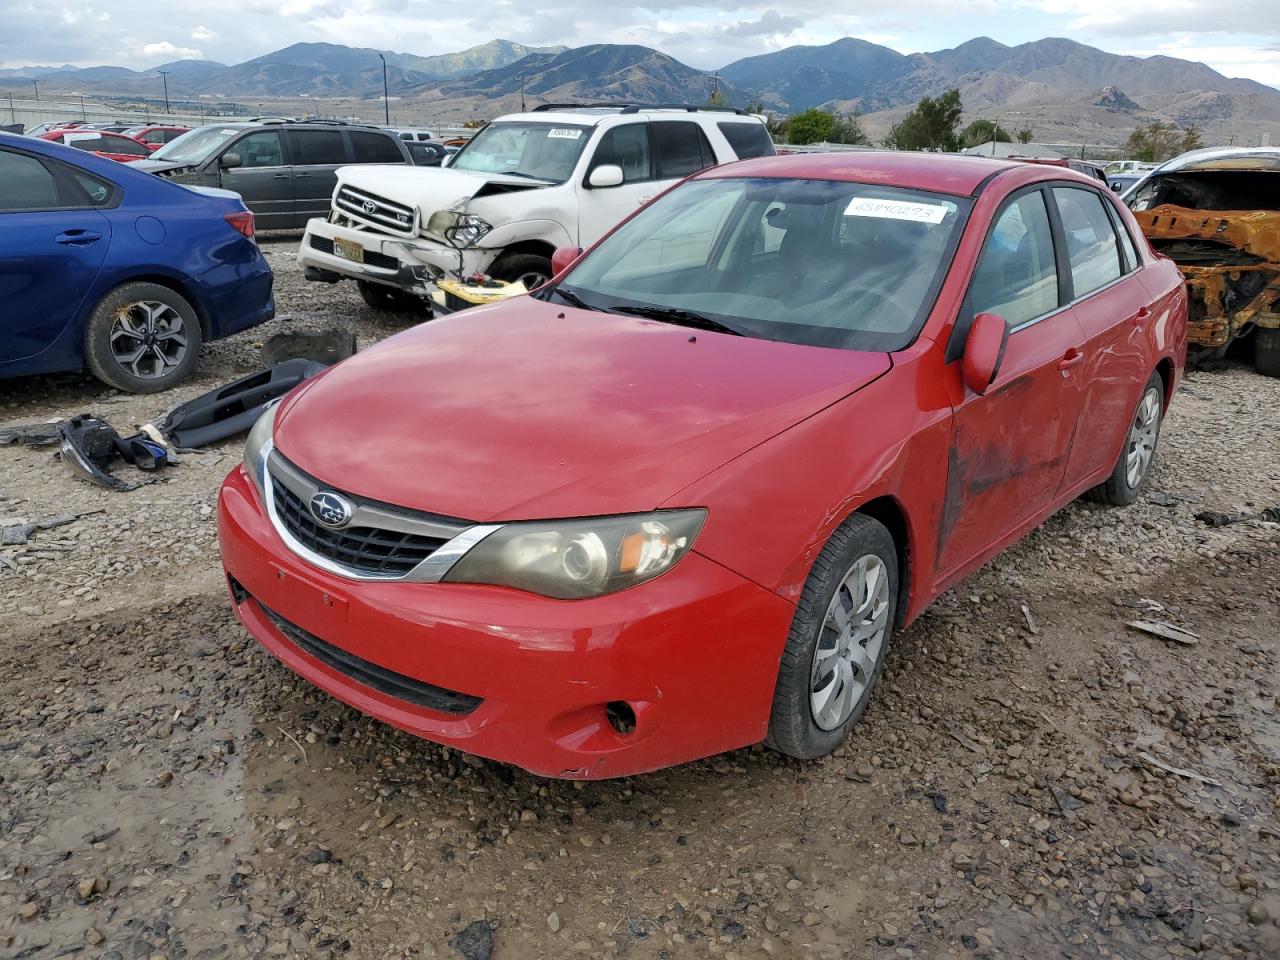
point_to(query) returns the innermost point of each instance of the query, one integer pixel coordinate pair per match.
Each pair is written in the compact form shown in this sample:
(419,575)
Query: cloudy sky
(1237,37)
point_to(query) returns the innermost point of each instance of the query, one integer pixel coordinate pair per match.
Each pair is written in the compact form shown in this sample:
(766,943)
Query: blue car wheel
(142,338)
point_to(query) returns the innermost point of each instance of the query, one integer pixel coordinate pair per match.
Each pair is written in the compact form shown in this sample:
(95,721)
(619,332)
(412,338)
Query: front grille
(377,210)
(371,257)
(368,550)
(371,675)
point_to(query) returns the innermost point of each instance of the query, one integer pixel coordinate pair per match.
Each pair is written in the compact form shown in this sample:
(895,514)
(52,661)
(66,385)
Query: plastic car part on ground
(89,446)
(452,295)
(322,346)
(232,409)
(1212,518)
(31,434)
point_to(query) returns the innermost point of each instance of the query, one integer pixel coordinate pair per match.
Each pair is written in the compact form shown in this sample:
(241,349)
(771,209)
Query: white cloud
(203,34)
(164,50)
(771,23)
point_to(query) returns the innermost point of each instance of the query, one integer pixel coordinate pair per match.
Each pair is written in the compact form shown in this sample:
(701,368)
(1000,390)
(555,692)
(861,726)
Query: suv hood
(526,410)
(432,188)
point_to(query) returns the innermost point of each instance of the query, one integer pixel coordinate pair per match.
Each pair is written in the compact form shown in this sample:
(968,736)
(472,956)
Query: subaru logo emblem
(331,509)
(369,206)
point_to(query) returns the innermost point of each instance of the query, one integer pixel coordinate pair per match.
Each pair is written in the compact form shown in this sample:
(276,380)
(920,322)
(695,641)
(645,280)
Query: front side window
(533,150)
(819,262)
(260,149)
(1091,240)
(682,148)
(1017,275)
(25,184)
(626,147)
(317,147)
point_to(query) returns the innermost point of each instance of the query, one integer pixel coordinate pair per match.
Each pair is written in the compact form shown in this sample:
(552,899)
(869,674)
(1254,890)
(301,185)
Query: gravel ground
(168,790)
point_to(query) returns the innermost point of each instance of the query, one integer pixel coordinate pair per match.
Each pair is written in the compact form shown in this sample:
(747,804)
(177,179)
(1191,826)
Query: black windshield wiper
(527,176)
(571,298)
(682,318)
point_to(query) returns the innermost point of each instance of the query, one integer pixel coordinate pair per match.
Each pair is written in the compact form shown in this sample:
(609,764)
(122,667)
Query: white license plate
(348,250)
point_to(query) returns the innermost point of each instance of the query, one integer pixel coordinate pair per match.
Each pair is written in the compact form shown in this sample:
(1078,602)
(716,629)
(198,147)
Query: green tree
(1024,135)
(984,131)
(811,126)
(1159,141)
(1191,139)
(847,128)
(930,126)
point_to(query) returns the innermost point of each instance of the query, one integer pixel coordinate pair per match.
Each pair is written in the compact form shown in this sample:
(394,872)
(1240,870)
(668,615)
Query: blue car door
(52,245)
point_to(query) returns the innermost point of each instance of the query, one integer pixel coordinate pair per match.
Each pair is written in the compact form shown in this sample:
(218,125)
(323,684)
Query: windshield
(542,151)
(195,146)
(818,262)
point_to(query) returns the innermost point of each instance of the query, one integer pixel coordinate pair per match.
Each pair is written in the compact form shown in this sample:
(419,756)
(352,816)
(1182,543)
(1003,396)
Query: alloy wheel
(148,339)
(1142,438)
(850,642)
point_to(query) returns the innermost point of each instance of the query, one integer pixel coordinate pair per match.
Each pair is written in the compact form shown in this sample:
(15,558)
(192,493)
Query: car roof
(950,173)
(1224,158)
(590,116)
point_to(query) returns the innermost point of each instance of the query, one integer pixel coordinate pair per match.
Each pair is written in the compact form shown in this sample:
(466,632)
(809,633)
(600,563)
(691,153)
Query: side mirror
(561,259)
(229,161)
(606,175)
(984,351)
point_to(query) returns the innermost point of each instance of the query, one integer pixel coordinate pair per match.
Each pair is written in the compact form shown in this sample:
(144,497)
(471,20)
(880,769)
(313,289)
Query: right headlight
(573,559)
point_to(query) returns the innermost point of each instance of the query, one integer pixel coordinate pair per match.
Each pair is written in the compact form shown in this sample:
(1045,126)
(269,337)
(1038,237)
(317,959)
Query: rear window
(374,148)
(316,147)
(682,148)
(748,139)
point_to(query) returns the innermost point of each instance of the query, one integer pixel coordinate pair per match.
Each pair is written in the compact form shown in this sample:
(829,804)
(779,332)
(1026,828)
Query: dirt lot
(168,790)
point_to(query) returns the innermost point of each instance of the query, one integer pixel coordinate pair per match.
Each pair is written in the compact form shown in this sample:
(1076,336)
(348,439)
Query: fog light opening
(621,717)
(238,593)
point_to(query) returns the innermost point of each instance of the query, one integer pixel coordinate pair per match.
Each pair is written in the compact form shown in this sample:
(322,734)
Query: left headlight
(573,559)
(459,229)
(257,447)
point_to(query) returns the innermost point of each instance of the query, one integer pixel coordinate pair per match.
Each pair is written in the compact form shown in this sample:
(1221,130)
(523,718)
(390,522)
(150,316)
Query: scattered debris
(1212,518)
(31,434)
(1167,631)
(1188,774)
(475,941)
(1165,499)
(16,534)
(89,446)
(1031,621)
(325,346)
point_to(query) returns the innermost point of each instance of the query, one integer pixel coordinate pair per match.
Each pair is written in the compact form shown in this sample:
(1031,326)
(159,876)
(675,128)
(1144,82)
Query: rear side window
(748,139)
(261,149)
(25,184)
(124,147)
(627,147)
(1017,274)
(96,191)
(317,147)
(86,141)
(1092,247)
(1126,242)
(374,148)
(682,148)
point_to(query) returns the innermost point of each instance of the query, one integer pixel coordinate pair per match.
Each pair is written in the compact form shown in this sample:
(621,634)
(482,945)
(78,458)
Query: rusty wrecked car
(1216,214)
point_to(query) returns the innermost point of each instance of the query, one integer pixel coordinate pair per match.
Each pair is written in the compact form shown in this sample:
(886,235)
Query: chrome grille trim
(458,536)
(385,213)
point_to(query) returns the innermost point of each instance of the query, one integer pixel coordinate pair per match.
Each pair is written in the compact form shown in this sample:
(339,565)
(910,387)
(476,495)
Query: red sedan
(156,136)
(113,146)
(710,468)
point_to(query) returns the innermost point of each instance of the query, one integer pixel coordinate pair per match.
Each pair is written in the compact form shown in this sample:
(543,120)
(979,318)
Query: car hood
(525,410)
(155,166)
(432,188)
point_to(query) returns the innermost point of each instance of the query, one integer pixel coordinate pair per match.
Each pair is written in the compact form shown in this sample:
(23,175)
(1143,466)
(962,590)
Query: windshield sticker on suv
(564,133)
(895,210)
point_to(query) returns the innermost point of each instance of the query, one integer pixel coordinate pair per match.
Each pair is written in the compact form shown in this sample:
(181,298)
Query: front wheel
(1131,470)
(142,338)
(1266,351)
(836,650)
(528,268)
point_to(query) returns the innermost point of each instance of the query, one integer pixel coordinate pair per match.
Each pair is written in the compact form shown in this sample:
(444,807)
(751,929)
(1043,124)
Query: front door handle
(1141,316)
(279,176)
(301,176)
(1071,359)
(77,238)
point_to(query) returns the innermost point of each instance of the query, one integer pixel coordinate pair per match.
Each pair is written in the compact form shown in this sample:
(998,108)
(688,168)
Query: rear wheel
(530,268)
(836,650)
(386,299)
(1131,470)
(142,338)
(1266,356)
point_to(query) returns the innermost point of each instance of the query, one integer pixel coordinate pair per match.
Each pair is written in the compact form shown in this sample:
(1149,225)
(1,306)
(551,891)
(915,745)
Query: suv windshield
(818,262)
(541,151)
(196,146)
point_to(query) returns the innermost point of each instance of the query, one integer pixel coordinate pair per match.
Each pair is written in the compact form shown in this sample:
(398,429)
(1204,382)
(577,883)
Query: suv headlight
(459,229)
(258,446)
(573,559)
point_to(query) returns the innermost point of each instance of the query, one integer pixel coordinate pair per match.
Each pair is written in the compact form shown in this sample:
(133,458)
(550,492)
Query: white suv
(524,185)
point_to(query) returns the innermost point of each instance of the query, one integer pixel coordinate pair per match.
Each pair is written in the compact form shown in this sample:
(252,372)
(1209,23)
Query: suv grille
(376,210)
(368,550)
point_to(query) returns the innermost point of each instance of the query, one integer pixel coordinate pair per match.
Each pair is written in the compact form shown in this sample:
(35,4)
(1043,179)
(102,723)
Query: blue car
(117,270)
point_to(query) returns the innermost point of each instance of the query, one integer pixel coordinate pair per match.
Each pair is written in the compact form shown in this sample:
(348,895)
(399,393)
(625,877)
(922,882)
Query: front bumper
(412,264)
(694,654)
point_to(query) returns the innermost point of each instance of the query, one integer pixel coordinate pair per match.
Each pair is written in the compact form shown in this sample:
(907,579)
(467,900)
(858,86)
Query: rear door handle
(301,176)
(1072,358)
(77,238)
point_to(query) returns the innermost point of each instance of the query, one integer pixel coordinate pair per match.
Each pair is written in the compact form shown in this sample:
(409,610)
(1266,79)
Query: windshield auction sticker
(895,210)
(565,133)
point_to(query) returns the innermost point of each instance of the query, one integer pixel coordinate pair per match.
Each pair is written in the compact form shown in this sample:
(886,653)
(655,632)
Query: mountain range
(1060,88)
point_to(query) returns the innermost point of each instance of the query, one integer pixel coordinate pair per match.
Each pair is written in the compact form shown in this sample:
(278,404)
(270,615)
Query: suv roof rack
(623,106)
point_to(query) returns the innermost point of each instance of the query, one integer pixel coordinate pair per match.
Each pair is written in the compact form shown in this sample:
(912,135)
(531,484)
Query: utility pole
(82,113)
(386,98)
(522,110)
(13,114)
(36,83)
(164,75)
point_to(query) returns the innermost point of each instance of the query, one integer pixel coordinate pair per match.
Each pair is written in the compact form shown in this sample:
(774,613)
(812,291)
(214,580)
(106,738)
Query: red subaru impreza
(678,500)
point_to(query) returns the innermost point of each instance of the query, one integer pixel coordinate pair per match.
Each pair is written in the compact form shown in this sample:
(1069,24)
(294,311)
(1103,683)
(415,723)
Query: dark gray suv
(284,171)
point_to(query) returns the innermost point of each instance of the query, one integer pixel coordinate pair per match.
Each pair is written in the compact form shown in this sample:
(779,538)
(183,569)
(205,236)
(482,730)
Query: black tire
(386,299)
(155,326)
(1117,489)
(1266,352)
(794,729)
(535,270)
